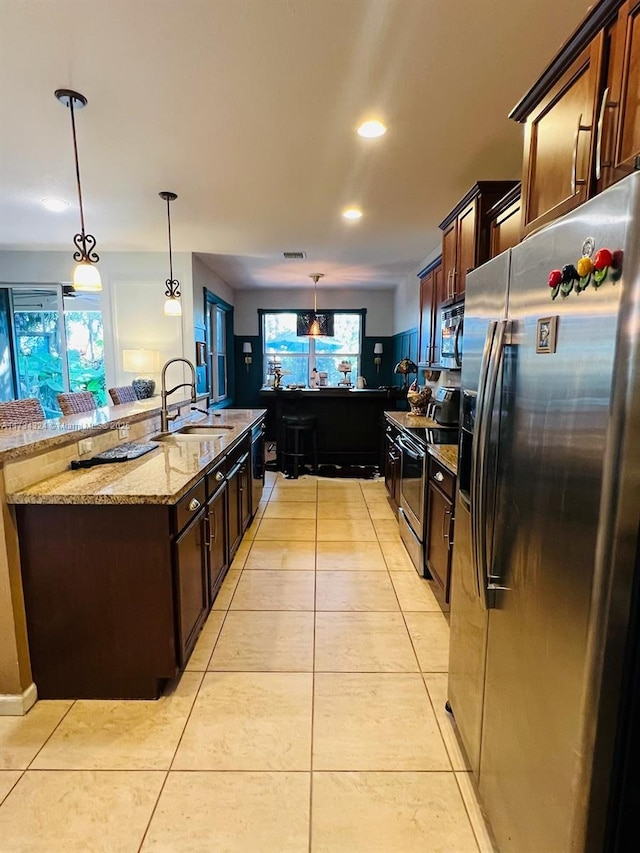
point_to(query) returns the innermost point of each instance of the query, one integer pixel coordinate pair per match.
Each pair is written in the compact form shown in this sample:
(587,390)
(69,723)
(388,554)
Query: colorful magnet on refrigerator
(554,281)
(569,276)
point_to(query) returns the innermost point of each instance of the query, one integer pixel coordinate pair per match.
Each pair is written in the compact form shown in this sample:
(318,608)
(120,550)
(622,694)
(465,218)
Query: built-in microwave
(451,323)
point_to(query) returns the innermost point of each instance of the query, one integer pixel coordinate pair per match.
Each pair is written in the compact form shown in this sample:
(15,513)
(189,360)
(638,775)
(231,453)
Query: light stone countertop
(56,432)
(162,476)
(446,454)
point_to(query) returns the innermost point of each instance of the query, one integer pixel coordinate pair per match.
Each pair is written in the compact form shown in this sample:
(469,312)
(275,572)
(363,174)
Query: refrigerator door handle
(475,452)
(489,396)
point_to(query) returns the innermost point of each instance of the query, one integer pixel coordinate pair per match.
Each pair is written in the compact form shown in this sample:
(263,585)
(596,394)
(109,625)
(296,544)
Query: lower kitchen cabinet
(439,527)
(239,489)
(216,533)
(191,581)
(392,464)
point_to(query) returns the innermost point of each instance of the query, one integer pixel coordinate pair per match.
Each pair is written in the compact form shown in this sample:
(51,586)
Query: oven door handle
(410,451)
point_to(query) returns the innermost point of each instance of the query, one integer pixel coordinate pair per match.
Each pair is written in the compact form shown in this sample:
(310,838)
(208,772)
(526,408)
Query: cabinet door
(438,550)
(449,248)
(217,544)
(234,520)
(439,295)
(426,318)
(466,250)
(618,134)
(391,467)
(245,493)
(191,585)
(560,141)
(505,229)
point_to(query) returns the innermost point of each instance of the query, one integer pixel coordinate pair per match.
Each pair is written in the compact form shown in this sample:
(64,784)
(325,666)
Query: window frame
(217,308)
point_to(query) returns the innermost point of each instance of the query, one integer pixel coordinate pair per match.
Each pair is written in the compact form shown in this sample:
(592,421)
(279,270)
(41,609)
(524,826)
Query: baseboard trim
(17,704)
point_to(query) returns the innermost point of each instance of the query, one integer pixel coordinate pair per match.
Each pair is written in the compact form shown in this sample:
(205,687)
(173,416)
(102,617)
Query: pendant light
(311,324)
(86,275)
(172,305)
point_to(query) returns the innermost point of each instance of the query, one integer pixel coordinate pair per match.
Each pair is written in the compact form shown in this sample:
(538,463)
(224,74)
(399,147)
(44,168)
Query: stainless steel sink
(196,432)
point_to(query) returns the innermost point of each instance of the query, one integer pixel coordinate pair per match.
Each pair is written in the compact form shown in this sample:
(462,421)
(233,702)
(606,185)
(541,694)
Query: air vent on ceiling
(295,256)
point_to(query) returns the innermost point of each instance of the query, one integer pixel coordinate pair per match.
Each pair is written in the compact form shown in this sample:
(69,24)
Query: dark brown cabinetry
(466,235)
(239,494)
(431,295)
(191,582)
(582,116)
(216,539)
(505,223)
(439,535)
(392,464)
(618,127)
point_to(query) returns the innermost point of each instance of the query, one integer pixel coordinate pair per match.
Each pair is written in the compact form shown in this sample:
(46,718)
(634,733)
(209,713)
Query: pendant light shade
(85,276)
(172,305)
(314,324)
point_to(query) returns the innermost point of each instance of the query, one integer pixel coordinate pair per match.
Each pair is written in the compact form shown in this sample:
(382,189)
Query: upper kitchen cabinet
(618,129)
(505,222)
(432,293)
(466,235)
(582,116)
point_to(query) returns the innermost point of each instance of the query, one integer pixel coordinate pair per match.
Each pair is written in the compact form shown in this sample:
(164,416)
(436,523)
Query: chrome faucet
(164,414)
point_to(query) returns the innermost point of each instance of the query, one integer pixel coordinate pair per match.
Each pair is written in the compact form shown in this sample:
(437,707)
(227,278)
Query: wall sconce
(246,349)
(377,353)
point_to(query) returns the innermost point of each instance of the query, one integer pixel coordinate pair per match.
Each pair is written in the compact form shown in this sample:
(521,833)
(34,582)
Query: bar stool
(294,430)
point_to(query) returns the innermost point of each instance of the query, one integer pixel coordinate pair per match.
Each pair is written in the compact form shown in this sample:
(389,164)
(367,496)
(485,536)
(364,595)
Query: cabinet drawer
(188,505)
(215,476)
(442,478)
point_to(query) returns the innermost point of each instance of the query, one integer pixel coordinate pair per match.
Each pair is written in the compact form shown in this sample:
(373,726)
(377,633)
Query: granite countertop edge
(446,454)
(98,486)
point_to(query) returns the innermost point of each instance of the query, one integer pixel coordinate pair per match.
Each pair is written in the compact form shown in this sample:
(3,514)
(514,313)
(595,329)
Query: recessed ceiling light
(372,129)
(55,204)
(352,213)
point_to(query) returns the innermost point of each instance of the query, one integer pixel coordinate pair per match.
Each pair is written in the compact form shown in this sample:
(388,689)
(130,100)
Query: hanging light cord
(173,286)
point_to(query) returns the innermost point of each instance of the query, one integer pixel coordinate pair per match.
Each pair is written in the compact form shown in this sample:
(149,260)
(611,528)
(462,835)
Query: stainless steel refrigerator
(547,521)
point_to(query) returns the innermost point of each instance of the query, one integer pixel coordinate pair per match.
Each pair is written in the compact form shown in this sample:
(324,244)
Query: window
(219,322)
(298,356)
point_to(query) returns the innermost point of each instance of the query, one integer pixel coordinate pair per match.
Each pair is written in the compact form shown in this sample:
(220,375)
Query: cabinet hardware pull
(605,105)
(194,504)
(445,536)
(438,476)
(213,533)
(575,181)
(219,476)
(454,273)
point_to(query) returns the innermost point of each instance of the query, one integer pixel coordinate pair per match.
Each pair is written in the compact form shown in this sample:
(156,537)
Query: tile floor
(310,718)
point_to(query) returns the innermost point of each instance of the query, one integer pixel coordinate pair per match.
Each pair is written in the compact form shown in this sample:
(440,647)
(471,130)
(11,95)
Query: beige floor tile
(301,494)
(475,812)
(350,556)
(304,481)
(250,532)
(341,509)
(249,721)
(389,813)
(380,721)
(281,554)
(387,530)
(206,641)
(266,812)
(300,530)
(225,593)
(396,557)
(22,737)
(78,812)
(270,478)
(265,641)
(353,498)
(430,637)
(291,509)
(8,779)
(120,734)
(240,557)
(363,642)
(380,510)
(264,503)
(414,592)
(437,686)
(355,591)
(375,486)
(355,530)
(275,590)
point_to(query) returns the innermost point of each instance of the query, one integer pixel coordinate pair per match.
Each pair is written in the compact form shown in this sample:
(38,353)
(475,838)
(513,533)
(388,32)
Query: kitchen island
(348,420)
(120,563)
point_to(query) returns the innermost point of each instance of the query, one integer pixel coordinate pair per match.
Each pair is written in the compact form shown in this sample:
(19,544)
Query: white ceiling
(248,108)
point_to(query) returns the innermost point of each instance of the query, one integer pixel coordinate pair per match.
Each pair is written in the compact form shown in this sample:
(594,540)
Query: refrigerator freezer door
(555,413)
(485,303)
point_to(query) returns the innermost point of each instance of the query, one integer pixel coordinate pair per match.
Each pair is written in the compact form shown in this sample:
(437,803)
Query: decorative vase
(144,388)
